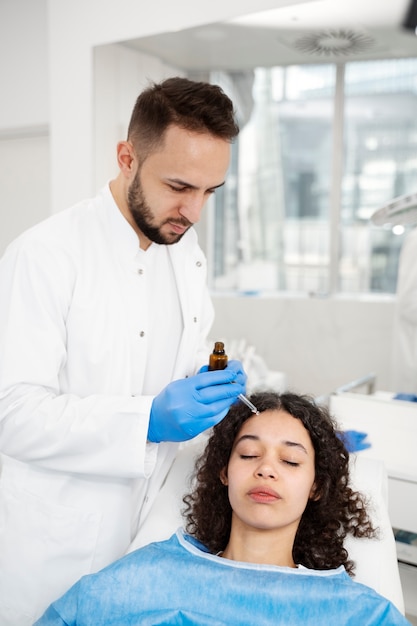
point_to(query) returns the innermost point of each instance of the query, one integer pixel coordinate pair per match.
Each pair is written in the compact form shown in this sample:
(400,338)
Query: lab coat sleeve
(99,434)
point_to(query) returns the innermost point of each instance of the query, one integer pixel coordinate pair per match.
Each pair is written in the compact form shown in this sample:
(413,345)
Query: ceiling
(318,31)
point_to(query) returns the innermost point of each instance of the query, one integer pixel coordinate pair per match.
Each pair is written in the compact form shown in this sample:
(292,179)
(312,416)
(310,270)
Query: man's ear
(126,158)
(223,477)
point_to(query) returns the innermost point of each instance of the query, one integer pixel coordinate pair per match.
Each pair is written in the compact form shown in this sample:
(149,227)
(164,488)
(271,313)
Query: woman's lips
(264,495)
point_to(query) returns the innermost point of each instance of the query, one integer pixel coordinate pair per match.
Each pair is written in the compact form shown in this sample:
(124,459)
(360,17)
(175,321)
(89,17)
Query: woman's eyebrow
(295,444)
(250,437)
(290,444)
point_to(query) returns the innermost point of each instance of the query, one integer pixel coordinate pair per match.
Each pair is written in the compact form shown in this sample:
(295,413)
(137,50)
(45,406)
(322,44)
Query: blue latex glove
(187,407)
(354,440)
(409,397)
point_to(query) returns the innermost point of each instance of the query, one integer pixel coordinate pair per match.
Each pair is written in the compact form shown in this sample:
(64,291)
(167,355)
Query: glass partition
(285,206)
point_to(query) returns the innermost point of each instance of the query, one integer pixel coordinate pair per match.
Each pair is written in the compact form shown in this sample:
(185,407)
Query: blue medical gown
(178,582)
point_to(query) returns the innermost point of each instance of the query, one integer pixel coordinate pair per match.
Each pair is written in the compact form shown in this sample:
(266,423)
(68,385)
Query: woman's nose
(266,470)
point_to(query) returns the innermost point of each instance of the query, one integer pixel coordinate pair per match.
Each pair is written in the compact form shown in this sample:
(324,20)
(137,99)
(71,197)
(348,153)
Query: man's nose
(192,206)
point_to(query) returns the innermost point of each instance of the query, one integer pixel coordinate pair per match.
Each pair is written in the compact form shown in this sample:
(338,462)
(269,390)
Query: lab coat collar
(119,228)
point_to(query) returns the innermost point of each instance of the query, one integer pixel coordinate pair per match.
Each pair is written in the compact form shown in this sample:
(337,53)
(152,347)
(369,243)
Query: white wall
(320,343)
(54,75)
(24,184)
(23,65)
(24,115)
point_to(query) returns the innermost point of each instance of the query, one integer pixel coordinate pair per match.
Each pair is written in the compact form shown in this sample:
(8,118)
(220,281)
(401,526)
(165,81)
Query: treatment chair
(376,559)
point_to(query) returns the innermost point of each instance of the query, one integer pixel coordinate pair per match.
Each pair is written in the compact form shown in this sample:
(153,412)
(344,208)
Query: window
(323,148)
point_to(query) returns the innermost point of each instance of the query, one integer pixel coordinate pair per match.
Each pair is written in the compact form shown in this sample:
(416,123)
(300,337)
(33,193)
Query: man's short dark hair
(191,105)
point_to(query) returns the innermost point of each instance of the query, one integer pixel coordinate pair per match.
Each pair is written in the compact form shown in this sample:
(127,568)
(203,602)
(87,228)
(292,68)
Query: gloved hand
(354,440)
(408,397)
(187,407)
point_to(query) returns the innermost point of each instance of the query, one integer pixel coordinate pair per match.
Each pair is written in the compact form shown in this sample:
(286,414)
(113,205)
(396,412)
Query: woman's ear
(223,477)
(314,493)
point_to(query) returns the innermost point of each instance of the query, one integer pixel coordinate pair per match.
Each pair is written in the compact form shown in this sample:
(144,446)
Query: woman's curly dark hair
(326,521)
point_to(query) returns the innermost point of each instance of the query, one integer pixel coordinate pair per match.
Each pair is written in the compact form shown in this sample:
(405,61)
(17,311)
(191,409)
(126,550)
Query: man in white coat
(104,317)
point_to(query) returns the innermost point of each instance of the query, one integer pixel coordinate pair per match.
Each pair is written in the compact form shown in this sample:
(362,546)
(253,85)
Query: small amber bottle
(218,358)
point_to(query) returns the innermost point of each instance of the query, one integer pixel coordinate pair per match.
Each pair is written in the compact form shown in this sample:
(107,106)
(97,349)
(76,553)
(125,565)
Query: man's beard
(143,216)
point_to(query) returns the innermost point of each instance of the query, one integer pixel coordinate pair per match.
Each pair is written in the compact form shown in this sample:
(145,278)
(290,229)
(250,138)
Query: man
(104,316)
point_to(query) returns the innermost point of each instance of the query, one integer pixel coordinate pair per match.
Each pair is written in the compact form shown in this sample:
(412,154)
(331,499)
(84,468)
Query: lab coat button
(141,334)
(195,320)
(140,271)
(199,264)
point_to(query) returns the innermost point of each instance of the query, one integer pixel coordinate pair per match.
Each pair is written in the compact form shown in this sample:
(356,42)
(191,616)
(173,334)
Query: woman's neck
(260,546)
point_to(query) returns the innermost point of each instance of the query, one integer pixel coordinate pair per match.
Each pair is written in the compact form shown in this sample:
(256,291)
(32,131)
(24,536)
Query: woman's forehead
(274,423)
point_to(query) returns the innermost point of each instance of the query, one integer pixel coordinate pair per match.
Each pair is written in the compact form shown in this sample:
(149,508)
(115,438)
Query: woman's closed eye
(255,456)
(290,463)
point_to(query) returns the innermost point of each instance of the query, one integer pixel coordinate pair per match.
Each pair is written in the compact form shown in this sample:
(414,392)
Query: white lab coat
(77,476)
(404,362)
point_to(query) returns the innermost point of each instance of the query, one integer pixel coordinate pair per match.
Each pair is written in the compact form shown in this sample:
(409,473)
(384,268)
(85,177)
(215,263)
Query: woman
(265,528)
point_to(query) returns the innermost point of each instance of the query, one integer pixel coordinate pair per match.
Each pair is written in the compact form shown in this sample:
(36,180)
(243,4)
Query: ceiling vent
(341,42)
